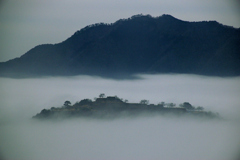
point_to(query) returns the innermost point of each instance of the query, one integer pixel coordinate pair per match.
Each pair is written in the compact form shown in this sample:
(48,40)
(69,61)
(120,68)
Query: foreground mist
(125,138)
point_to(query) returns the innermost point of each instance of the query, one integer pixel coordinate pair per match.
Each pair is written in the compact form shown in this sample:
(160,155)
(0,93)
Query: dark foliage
(187,105)
(112,107)
(83,102)
(140,44)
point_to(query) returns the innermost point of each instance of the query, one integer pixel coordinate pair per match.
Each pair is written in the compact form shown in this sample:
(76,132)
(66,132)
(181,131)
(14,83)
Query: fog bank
(128,138)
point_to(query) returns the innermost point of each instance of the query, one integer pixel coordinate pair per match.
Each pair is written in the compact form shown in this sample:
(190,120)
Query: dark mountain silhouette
(140,44)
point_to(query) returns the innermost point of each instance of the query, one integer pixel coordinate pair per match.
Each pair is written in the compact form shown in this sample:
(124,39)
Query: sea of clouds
(145,137)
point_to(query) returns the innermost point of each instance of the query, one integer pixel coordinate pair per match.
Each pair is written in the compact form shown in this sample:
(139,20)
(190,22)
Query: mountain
(140,44)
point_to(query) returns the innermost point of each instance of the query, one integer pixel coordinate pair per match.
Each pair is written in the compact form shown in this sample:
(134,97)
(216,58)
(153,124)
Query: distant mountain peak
(139,44)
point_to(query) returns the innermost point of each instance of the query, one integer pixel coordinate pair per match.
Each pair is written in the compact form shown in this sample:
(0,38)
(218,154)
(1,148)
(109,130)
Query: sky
(27,23)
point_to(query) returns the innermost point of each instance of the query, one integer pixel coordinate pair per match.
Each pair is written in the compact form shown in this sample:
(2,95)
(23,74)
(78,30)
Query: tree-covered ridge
(140,44)
(113,106)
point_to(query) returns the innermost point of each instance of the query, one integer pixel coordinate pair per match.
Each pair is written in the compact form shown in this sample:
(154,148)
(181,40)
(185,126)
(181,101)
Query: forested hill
(140,44)
(114,107)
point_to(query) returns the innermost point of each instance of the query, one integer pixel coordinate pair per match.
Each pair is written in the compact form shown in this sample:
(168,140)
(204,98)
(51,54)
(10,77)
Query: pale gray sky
(27,23)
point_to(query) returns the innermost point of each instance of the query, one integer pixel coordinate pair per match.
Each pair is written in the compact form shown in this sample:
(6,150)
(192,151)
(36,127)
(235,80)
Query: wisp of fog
(142,137)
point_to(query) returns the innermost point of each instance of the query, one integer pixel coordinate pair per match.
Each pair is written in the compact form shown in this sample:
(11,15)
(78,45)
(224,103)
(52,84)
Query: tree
(144,101)
(162,104)
(45,113)
(102,95)
(170,105)
(67,103)
(126,101)
(199,108)
(187,105)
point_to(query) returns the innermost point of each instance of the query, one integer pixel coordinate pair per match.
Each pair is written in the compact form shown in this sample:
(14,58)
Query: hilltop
(114,107)
(140,44)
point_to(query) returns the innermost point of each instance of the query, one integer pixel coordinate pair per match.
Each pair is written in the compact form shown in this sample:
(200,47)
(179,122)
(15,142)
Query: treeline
(113,106)
(185,105)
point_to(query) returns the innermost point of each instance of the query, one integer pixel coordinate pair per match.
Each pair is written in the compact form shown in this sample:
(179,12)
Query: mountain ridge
(140,44)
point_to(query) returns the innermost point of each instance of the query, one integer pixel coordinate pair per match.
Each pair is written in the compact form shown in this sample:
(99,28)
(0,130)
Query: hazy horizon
(144,137)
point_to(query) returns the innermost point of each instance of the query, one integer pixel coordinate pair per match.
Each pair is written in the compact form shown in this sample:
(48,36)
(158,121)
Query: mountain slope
(140,44)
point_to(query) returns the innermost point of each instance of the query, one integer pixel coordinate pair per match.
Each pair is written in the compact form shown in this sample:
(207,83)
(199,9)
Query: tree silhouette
(171,105)
(102,95)
(67,103)
(144,101)
(162,104)
(200,108)
(187,105)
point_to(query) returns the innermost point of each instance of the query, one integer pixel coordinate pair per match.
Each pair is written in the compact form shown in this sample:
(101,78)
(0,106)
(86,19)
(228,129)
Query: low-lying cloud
(127,138)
